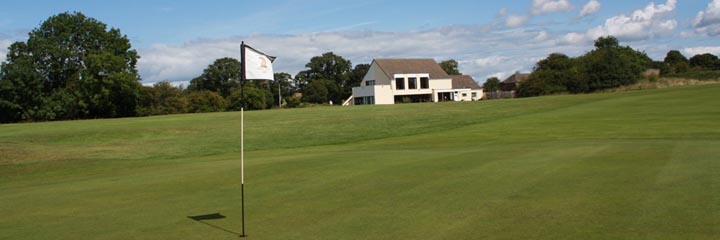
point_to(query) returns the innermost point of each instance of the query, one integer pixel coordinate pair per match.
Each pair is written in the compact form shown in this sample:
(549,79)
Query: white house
(390,81)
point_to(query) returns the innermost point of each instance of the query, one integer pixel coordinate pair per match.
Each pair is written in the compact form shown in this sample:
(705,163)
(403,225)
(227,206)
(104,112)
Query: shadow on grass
(213,216)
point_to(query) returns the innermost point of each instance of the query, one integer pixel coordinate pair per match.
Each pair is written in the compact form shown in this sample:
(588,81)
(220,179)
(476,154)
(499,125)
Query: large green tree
(206,101)
(222,76)
(674,56)
(607,42)
(491,84)
(555,74)
(256,96)
(72,66)
(450,67)
(333,74)
(328,66)
(674,62)
(321,91)
(162,98)
(705,61)
(283,84)
(611,65)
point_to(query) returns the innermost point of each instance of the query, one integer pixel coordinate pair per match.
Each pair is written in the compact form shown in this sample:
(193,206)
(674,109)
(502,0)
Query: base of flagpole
(242,195)
(242,236)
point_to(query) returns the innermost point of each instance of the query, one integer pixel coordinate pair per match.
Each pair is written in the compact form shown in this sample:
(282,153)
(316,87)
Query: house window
(424,83)
(400,83)
(464,94)
(370,83)
(412,83)
(474,94)
(365,100)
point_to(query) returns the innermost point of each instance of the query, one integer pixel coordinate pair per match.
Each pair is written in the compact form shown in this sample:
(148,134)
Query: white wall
(383,93)
(460,95)
(469,95)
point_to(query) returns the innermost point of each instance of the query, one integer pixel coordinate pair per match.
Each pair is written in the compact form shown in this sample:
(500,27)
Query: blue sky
(177,39)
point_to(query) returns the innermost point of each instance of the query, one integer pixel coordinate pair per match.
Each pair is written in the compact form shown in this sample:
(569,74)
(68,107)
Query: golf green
(631,165)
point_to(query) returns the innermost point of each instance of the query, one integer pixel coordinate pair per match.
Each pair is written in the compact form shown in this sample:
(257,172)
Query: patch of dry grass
(663,83)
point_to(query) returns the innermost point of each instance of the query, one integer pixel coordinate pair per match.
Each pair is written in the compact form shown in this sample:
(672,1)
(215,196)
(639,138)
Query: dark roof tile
(516,78)
(464,81)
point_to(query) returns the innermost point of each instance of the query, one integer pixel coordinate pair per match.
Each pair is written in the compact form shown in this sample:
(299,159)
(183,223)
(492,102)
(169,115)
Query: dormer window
(370,83)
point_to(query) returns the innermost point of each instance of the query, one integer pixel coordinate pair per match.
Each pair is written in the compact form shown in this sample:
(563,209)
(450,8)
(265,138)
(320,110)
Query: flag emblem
(258,65)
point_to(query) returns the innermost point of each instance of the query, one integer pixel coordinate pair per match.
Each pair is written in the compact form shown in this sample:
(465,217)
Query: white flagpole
(261,60)
(242,136)
(242,167)
(242,146)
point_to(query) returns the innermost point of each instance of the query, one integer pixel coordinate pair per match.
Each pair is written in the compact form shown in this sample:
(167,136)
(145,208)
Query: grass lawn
(632,165)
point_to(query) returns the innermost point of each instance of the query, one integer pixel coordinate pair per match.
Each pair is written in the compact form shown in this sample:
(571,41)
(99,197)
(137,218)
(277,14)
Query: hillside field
(630,165)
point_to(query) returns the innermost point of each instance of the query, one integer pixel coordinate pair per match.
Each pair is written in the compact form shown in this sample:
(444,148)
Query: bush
(652,78)
(162,98)
(608,66)
(255,98)
(491,84)
(699,75)
(206,101)
(294,102)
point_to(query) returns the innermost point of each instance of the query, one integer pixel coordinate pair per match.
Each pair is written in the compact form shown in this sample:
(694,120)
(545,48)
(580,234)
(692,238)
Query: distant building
(512,82)
(390,81)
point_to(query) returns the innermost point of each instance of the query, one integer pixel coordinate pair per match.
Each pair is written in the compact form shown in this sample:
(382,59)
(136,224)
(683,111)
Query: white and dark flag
(258,66)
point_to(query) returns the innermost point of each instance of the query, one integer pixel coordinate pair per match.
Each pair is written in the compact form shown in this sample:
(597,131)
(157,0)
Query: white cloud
(573,39)
(592,7)
(177,84)
(540,7)
(501,12)
(692,51)
(171,62)
(4,44)
(513,21)
(480,50)
(168,62)
(708,21)
(645,23)
(541,36)
(500,75)
(667,26)
(487,61)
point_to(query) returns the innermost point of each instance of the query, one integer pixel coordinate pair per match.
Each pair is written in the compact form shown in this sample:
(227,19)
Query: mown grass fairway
(632,165)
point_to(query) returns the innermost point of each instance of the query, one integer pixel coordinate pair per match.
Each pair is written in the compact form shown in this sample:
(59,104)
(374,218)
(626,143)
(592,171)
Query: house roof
(464,81)
(408,66)
(516,78)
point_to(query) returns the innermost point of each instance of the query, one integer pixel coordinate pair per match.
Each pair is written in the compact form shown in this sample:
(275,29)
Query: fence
(500,94)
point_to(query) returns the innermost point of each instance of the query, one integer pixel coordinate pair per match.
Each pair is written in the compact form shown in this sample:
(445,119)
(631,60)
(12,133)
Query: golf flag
(258,66)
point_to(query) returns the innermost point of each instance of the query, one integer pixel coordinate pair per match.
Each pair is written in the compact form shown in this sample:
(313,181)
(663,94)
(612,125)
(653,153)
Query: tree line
(327,78)
(74,67)
(609,65)
(676,64)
